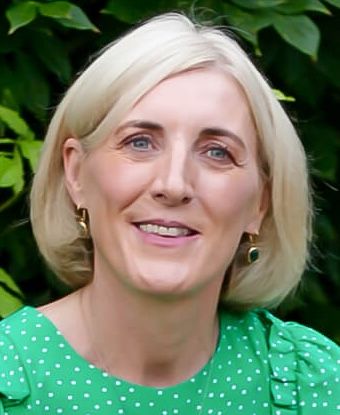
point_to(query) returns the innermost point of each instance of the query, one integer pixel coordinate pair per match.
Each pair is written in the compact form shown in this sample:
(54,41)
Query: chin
(165,286)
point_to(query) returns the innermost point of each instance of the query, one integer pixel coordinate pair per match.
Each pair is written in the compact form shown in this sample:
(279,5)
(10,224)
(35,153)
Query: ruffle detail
(14,386)
(304,369)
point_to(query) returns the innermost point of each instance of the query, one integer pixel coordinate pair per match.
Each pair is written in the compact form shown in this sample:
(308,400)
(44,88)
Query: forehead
(197,99)
(213,83)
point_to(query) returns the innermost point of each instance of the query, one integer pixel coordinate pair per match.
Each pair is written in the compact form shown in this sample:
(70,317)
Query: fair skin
(169,195)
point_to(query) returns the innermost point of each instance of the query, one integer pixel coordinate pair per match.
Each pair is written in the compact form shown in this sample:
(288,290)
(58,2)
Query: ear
(73,155)
(261,209)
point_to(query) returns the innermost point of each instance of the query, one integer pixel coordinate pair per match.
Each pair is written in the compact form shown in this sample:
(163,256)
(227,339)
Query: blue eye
(140,143)
(218,153)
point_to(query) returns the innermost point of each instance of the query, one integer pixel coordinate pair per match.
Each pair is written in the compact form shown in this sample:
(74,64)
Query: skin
(186,152)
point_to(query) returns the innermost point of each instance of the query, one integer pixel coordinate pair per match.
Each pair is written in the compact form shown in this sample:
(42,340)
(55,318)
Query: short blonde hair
(99,99)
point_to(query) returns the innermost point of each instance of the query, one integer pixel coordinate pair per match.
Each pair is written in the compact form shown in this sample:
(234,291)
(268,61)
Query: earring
(253,253)
(81,218)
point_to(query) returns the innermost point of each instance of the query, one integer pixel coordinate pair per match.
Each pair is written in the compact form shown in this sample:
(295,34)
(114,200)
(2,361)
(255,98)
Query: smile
(171,231)
(166,234)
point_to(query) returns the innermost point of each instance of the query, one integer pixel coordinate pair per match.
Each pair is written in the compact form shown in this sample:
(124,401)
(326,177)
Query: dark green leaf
(136,10)
(21,14)
(13,120)
(52,52)
(67,14)
(301,6)
(248,24)
(8,85)
(335,3)
(258,4)
(329,63)
(32,87)
(300,32)
(8,99)
(31,151)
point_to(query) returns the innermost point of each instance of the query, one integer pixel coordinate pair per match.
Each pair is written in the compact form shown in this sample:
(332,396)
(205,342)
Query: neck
(146,340)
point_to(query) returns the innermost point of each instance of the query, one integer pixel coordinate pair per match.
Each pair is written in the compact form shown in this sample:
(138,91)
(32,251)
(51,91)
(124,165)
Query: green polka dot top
(261,366)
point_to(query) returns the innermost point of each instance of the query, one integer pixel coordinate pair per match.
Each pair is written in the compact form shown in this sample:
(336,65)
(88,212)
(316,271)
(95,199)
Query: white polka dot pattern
(261,366)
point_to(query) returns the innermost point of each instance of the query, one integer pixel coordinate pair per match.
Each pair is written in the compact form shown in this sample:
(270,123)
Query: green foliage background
(44,43)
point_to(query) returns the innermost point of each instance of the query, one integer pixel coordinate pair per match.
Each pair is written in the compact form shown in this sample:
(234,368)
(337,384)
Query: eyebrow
(140,124)
(223,132)
(216,131)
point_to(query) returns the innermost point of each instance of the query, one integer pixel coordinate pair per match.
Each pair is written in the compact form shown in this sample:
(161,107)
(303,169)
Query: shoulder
(308,343)
(304,365)
(14,385)
(301,365)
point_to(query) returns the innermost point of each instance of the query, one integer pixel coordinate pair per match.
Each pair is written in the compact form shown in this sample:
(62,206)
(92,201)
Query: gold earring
(82,218)
(253,253)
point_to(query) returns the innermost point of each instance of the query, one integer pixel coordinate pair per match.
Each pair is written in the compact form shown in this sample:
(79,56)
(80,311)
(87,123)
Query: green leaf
(301,6)
(32,89)
(19,172)
(12,172)
(21,14)
(5,165)
(7,141)
(300,32)
(17,124)
(8,99)
(8,281)
(52,52)
(282,97)
(9,293)
(258,4)
(335,3)
(67,14)
(31,151)
(8,86)
(135,10)
(248,24)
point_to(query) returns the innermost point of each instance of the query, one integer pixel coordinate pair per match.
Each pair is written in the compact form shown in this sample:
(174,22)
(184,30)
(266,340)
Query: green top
(261,366)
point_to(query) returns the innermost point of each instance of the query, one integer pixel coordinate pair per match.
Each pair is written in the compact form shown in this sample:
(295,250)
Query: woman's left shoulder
(300,338)
(304,365)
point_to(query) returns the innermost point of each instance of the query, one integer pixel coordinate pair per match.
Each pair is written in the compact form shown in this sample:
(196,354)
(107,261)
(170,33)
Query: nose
(173,184)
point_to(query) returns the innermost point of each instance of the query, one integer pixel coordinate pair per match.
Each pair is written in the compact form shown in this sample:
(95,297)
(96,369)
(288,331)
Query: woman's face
(171,191)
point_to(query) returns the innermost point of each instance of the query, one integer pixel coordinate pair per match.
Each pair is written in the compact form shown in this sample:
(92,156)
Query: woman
(171,182)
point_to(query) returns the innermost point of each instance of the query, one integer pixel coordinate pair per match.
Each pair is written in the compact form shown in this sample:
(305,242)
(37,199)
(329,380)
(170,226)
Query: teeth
(163,230)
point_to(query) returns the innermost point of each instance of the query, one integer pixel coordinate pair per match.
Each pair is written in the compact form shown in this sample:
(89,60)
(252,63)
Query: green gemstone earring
(253,253)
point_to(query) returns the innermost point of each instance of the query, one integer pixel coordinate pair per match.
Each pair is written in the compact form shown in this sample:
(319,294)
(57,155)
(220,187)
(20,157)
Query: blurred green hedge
(44,43)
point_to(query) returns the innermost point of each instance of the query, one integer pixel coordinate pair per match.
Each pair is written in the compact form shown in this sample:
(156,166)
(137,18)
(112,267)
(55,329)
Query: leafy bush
(42,45)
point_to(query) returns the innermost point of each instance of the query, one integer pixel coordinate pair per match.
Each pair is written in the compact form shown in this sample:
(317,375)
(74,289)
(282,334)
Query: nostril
(172,196)
(163,196)
(186,199)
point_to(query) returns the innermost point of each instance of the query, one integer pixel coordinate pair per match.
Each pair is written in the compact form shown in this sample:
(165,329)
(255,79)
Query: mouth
(166,229)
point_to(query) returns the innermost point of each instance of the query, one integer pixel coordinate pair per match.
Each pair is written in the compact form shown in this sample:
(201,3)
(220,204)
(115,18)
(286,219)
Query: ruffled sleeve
(304,370)
(14,387)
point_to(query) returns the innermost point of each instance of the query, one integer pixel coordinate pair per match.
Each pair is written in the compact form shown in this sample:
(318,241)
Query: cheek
(232,199)
(113,184)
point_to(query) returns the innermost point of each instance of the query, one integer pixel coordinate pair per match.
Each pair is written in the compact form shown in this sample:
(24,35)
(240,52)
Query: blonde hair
(99,99)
